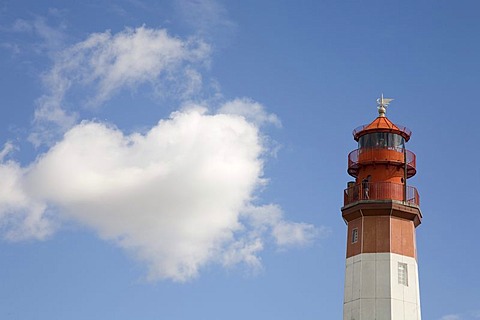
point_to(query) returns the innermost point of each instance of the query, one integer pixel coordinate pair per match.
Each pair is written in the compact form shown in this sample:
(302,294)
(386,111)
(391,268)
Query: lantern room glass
(384,140)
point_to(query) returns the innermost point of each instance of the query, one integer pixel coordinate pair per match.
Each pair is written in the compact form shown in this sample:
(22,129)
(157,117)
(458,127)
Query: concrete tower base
(381,286)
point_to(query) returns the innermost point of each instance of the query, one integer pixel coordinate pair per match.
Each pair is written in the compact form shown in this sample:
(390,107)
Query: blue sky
(187,159)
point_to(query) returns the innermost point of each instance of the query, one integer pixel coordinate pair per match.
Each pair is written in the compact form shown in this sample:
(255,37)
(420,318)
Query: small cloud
(12,47)
(269,219)
(244,251)
(21,25)
(288,233)
(451,317)
(7,149)
(251,110)
(24,37)
(51,38)
(207,17)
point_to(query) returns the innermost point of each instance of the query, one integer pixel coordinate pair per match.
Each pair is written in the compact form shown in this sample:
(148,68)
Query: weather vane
(382,104)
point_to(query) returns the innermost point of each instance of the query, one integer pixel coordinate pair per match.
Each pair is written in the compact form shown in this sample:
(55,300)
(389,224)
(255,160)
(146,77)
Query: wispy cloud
(7,149)
(106,63)
(251,110)
(50,39)
(208,18)
(462,316)
(451,317)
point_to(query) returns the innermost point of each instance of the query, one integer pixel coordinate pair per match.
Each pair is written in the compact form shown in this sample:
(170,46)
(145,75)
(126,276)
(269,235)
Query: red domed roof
(382,124)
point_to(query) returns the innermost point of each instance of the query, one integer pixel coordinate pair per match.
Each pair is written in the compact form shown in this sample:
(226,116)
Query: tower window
(403,274)
(355,235)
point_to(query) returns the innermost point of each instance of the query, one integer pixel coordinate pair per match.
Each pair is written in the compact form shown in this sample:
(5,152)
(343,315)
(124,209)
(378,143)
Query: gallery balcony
(390,156)
(375,191)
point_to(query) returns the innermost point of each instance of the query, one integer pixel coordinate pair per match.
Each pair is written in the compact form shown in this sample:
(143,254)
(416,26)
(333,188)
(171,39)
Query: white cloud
(251,110)
(133,56)
(105,63)
(288,233)
(269,219)
(177,198)
(245,251)
(21,216)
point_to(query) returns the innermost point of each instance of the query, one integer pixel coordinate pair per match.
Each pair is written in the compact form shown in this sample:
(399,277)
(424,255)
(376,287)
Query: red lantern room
(381,165)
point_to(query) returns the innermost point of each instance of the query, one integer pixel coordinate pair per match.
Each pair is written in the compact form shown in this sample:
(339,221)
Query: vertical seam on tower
(390,232)
(363,232)
(361,264)
(390,259)
(415,243)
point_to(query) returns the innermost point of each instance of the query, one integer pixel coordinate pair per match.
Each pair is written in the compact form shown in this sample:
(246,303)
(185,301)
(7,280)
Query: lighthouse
(381,211)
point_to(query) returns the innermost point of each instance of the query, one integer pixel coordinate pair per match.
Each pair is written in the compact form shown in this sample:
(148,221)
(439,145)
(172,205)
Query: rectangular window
(403,274)
(354,235)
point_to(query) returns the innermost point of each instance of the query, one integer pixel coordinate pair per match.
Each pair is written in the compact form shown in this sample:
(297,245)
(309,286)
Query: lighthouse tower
(381,212)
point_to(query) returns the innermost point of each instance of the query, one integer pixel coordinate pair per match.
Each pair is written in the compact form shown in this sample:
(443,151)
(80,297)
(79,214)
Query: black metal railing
(381,191)
(401,128)
(395,156)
